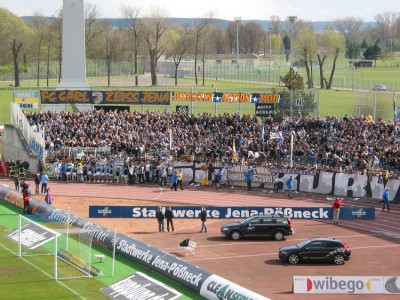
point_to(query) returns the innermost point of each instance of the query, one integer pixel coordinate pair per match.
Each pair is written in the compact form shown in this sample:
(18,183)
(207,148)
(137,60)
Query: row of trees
(147,37)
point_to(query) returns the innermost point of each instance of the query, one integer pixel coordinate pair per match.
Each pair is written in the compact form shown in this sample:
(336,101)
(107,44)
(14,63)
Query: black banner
(182,108)
(107,97)
(264,110)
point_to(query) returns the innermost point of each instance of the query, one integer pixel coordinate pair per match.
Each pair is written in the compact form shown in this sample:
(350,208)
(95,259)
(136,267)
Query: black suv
(276,227)
(316,249)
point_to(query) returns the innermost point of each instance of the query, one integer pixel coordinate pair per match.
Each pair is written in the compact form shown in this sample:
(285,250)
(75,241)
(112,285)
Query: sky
(308,10)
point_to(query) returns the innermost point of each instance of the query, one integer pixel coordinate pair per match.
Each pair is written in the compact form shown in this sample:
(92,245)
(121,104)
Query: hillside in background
(120,22)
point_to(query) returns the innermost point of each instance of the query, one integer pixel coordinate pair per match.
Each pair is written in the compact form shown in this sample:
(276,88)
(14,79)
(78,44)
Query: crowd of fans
(349,144)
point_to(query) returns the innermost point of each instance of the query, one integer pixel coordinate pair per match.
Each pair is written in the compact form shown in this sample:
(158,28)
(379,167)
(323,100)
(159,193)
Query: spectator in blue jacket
(174,180)
(45,180)
(289,184)
(248,175)
(385,198)
(218,178)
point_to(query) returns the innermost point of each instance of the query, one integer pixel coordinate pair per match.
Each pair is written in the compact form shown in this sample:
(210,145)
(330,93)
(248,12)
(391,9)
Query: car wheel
(235,235)
(278,235)
(338,259)
(293,259)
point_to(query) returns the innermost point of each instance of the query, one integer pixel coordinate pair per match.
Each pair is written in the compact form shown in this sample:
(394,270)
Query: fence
(376,104)
(34,136)
(251,71)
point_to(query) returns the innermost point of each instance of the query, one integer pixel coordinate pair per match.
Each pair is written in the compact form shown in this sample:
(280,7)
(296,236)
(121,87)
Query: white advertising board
(346,285)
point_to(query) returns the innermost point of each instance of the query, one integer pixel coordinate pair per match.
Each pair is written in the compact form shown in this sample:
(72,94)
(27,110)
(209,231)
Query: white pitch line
(263,242)
(47,274)
(269,254)
(160,194)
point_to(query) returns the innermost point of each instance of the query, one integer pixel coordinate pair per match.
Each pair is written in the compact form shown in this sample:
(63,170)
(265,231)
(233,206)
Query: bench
(188,246)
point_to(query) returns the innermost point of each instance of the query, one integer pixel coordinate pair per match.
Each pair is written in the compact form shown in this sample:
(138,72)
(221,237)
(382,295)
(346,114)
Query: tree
(132,16)
(153,31)
(275,24)
(40,25)
(305,49)
(293,80)
(386,29)
(12,32)
(199,31)
(177,47)
(252,33)
(218,40)
(332,44)
(350,28)
(109,50)
(16,47)
(373,52)
(286,46)
(93,28)
(353,51)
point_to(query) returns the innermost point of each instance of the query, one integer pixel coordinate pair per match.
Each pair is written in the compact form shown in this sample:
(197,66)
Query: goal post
(57,249)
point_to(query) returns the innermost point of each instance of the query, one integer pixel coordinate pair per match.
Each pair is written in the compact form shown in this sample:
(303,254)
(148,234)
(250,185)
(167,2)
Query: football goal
(61,251)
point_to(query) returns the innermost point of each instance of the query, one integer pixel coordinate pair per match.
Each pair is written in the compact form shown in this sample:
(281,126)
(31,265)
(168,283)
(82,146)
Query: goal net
(61,251)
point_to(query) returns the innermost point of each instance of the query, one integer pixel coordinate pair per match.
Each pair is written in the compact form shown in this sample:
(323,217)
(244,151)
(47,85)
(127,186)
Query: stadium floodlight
(291,19)
(237,20)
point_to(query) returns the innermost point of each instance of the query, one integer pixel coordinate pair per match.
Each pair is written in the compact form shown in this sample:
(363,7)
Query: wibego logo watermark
(331,285)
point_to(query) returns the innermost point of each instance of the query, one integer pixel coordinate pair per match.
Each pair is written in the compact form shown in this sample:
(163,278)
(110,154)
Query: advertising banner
(234,212)
(346,285)
(140,286)
(228,97)
(26,99)
(107,97)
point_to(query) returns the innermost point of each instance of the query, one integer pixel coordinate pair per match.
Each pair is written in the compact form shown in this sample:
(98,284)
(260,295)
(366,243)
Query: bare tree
(132,16)
(230,33)
(200,30)
(16,47)
(386,29)
(252,33)
(350,28)
(153,31)
(177,47)
(110,43)
(218,40)
(40,25)
(275,24)
(92,26)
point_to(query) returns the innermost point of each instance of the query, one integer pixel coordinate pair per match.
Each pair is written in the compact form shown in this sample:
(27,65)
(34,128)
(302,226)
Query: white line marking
(62,284)
(269,254)
(160,194)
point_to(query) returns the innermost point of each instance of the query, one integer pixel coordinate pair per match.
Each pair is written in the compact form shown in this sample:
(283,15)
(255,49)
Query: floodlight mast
(237,20)
(291,19)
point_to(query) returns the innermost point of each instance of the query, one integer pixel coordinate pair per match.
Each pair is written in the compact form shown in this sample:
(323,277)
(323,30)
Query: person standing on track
(45,181)
(248,175)
(180,178)
(174,181)
(289,184)
(203,218)
(169,215)
(336,209)
(160,219)
(37,183)
(385,198)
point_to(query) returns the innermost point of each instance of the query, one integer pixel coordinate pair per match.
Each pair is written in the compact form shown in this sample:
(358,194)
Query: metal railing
(33,136)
